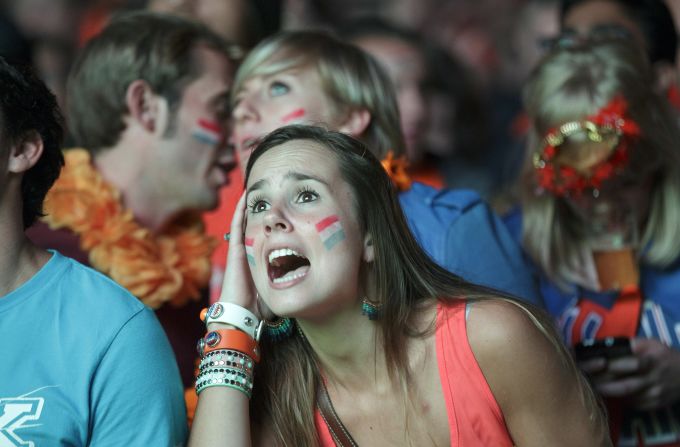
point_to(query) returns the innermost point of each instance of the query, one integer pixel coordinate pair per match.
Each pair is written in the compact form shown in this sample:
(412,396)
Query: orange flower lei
(396,168)
(169,267)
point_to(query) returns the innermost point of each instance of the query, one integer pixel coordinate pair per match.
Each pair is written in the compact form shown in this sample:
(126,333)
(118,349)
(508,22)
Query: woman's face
(265,103)
(303,239)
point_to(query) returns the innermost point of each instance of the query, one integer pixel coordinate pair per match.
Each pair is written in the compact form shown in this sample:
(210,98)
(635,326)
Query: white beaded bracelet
(235,315)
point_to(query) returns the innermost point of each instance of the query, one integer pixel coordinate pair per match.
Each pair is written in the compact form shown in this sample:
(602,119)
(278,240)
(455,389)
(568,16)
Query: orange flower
(169,267)
(396,169)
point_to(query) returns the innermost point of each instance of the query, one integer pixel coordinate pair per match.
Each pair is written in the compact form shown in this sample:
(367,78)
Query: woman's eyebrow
(301,176)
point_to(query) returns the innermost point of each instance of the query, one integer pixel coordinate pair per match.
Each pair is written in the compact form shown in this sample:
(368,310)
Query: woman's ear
(369,253)
(26,153)
(356,122)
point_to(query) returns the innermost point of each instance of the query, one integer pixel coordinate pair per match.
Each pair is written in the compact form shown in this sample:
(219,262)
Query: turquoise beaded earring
(372,310)
(279,329)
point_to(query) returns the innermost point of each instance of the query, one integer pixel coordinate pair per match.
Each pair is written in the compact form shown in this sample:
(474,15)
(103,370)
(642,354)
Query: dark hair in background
(154,47)
(654,19)
(445,75)
(14,47)
(28,106)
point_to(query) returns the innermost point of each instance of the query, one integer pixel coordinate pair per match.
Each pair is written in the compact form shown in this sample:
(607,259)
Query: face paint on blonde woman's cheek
(249,251)
(331,232)
(295,114)
(208,132)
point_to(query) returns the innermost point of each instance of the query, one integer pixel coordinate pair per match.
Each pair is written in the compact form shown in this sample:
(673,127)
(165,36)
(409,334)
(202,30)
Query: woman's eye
(278,88)
(258,206)
(307,196)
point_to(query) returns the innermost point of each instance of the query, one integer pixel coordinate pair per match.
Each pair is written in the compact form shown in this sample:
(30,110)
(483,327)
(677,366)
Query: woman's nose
(275,221)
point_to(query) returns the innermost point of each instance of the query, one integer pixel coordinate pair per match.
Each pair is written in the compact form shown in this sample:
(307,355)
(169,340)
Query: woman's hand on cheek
(238,287)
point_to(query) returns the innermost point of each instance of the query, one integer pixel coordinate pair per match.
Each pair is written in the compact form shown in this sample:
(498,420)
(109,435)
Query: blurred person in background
(432,90)
(84,362)
(241,22)
(51,27)
(599,218)
(148,101)
(441,109)
(535,25)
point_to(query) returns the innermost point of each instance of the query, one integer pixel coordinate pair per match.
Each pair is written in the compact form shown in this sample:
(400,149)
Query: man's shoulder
(92,293)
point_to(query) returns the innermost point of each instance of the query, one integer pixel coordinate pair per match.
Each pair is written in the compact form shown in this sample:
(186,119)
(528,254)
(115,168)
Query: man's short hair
(156,48)
(26,105)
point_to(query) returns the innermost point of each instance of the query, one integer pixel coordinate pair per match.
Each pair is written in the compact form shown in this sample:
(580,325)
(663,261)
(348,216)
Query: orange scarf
(157,268)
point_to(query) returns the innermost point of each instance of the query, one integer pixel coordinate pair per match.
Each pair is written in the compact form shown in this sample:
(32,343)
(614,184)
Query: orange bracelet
(233,339)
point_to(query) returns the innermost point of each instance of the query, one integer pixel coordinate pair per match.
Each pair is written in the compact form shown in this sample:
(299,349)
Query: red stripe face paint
(295,114)
(208,132)
(250,255)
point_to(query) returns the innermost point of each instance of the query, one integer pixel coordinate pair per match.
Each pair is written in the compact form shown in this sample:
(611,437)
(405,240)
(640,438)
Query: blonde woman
(600,218)
(319,238)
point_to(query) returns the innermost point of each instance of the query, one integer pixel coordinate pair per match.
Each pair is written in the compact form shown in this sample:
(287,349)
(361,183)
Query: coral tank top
(475,419)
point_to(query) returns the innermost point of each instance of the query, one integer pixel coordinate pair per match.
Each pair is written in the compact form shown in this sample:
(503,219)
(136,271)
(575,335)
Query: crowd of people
(293,223)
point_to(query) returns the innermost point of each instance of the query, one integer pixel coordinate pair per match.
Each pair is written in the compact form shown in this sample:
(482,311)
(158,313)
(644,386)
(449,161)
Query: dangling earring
(279,329)
(372,310)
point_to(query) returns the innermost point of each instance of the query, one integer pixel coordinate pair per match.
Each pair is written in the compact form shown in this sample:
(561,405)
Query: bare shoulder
(511,327)
(542,396)
(510,342)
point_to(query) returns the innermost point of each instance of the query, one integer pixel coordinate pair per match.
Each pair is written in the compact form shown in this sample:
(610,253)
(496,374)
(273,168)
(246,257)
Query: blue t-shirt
(85,363)
(461,233)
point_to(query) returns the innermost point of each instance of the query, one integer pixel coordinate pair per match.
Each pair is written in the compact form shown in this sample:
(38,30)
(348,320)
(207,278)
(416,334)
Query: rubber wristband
(234,315)
(232,339)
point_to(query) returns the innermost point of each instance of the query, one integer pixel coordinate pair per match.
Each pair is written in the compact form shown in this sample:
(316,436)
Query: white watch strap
(235,315)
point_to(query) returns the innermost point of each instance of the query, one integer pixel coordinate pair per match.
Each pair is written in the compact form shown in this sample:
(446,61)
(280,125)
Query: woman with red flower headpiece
(599,217)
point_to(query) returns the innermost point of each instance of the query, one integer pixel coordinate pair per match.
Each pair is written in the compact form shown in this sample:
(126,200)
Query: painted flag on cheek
(208,132)
(250,256)
(331,232)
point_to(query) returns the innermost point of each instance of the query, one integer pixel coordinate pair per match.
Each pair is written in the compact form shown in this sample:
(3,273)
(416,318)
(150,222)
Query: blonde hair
(570,84)
(350,78)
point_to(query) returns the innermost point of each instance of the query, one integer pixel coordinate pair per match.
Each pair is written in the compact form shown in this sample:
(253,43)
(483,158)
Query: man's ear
(355,122)
(25,153)
(369,252)
(145,108)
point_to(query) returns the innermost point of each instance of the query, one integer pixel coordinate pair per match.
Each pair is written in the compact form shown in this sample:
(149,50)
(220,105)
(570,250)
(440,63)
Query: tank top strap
(475,417)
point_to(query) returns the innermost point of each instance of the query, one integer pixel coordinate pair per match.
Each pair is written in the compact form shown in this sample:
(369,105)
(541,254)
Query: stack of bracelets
(228,356)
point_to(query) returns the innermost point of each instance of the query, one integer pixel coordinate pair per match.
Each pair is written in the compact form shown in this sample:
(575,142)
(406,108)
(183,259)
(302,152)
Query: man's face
(406,67)
(193,159)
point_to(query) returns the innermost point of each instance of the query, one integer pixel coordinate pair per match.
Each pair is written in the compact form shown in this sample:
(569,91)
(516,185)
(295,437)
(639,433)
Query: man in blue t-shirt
(83,361)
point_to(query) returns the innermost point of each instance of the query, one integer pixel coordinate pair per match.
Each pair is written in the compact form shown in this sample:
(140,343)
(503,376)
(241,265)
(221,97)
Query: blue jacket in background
(461,233)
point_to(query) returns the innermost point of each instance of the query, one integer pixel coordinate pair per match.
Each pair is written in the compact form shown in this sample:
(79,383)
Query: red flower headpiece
(561,179)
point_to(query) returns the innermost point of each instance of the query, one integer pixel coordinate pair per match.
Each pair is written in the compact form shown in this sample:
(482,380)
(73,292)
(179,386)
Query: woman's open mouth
(286,265)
